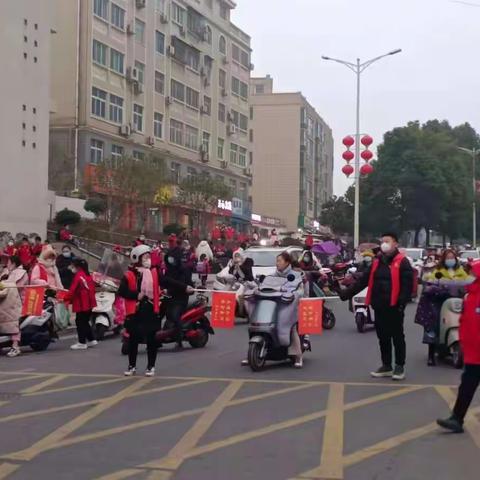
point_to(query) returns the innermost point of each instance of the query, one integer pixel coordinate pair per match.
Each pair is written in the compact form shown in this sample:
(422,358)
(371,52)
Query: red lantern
(348,156)
(367,155)
(366,169)
(367,140)
(347,170)
(348,141)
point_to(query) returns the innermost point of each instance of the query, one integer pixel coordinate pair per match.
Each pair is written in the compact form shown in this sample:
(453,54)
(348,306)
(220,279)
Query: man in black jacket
(390,283)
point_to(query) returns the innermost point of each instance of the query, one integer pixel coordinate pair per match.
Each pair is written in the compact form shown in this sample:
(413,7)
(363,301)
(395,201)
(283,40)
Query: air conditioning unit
(151,141)
(139,88)
(141,3)
(204,154)
(231,129)
(247,172)
(223,163)
(168,100)
(252,67)
(183,32)
(132,74)
(203,109)
(130,29)
(225,60)
(125,130)
(171,50)
(163,18)
(230,116)
(224,92)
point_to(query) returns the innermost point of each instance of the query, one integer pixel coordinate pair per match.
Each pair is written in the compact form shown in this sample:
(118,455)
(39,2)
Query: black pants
(152,346)
(466,391)
(175,309)
(84,329)
(389,327)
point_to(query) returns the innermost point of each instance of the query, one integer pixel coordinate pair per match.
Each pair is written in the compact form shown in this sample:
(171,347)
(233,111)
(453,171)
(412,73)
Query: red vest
(395,274)
(131,305)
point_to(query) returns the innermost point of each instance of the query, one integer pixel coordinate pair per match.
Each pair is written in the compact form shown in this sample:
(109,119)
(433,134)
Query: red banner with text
(223,309)
(33,303)
(310,313)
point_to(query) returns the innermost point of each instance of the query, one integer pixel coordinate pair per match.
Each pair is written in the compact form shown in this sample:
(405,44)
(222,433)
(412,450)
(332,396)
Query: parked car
(264,258)
(468,255)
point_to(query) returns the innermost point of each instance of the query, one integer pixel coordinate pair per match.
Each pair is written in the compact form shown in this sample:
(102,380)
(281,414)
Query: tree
(173,228)
(337,213)
(95,205)
(201,194)
(67,217)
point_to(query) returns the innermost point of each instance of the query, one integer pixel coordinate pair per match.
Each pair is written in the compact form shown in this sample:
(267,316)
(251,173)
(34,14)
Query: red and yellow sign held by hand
(310,313)
(33,303)
(223,309)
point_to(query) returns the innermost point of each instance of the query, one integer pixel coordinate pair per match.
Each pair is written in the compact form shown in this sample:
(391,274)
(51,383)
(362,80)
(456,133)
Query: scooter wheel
(328,320)
(255,361)
(200,340)
(360,320)
(124,348)
(457,355)
(100,331)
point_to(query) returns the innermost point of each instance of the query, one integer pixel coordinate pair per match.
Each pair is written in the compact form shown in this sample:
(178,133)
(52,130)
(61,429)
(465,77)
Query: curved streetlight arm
(366,64)
(349,65)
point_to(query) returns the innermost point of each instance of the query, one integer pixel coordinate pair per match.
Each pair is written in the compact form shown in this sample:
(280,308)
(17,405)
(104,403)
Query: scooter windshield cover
(264,312)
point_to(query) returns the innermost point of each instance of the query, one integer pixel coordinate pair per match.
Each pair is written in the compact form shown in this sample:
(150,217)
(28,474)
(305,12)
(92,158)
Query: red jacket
(25,255)
(309,241)
(65,235)
(82,293)
(470,325)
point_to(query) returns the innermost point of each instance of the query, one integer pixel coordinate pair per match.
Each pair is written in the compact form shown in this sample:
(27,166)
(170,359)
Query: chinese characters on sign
(225,205)
(223,309)
(310,316)
(33,302)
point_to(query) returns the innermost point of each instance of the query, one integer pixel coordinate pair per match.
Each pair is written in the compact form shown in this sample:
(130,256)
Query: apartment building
(152,78)
(24,115)
(293,152)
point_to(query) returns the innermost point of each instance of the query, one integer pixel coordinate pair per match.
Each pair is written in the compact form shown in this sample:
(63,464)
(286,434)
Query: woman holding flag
(45,273)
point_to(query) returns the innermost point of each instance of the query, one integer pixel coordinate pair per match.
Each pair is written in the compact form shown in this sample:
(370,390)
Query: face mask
(307,259)
(386,247)
(10,244)
(450,263)
(67,254)
(146,263)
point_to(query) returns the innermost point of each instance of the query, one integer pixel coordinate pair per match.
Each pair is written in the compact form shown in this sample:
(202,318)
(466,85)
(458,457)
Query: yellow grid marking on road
(46,383)
(7,469)
(21,379)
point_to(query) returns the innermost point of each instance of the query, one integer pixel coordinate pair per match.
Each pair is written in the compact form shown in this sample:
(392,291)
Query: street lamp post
(473,152)
(358,68)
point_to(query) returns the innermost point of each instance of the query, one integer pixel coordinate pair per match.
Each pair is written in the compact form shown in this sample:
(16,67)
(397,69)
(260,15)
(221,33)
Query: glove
(288,297)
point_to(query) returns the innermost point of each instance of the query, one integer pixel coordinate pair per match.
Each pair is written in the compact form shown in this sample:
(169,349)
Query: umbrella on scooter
(326,248)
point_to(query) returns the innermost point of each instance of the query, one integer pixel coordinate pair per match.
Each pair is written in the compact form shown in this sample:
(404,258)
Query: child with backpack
(203,269)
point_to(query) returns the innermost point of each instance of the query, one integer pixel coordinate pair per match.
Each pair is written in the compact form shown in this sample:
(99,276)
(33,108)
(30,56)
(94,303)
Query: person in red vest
(390,282)
(229,233)
(309,241)
(65,235)
(470,343)
(216,233)
(25,253)
(82,297)
(140,289)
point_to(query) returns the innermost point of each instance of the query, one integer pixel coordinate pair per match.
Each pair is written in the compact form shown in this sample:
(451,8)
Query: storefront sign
(256,218)
(237,206)
(224,205)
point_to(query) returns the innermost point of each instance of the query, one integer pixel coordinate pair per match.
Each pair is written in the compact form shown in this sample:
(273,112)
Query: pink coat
(53,277)
(11,302)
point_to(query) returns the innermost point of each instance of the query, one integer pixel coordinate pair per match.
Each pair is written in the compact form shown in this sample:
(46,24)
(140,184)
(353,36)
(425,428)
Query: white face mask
(147,263)
(386,247)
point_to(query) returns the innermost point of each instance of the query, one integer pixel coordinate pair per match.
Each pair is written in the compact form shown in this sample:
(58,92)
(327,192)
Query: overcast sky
(436,76)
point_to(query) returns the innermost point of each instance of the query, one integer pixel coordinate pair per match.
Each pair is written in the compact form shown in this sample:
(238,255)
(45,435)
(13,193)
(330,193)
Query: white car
(264,258)
(468,255)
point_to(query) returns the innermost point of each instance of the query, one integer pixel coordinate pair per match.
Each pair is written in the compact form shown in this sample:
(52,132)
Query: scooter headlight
(360,299)
(456,306)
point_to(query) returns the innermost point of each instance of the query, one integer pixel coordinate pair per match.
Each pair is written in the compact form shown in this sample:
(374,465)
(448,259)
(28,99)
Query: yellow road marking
(46,383)
(331,460)
(176,456)
(127,473)
(20,379)
(80,386)
(60,433)
(7,469)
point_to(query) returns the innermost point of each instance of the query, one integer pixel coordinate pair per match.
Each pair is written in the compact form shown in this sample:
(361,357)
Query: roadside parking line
(46,383)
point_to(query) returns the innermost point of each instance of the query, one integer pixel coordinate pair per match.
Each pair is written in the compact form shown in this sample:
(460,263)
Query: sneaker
(245,363)
(399,373)
(130,372)
(451,424)
(93,343)
(298,363)
(14,352)
(150,372)
(79,346)
(382,372)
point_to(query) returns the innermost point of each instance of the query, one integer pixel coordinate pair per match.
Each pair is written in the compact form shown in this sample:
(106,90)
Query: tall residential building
(293,152)
(159,78)
(24,115)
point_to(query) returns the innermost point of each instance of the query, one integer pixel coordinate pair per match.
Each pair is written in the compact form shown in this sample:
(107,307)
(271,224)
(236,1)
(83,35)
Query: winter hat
(47,252)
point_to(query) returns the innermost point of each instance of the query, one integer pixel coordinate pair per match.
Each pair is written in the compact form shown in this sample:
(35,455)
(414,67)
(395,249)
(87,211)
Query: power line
(470,4)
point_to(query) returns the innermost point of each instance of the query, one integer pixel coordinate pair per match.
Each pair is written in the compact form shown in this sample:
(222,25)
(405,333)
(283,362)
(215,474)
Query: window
(139,31)
(251,113)
(222,45)
(208,35)
(178,91)
(251,135)
(158,125)
(220,146)
(191,137)
(159,42)
(178,14)
(233,185)
(240,56)
(175,169)
(138,155)
(239,88)
(240,120)
(207,105)
(160,83)
(160,5)
(118,17)
(206,142)
(116,109)
(196,23)
(243,188)
(141,71)
(100,8)
(99,101)
(193,59)
(176,132)
(96,151)
(242,157)
(137,118)
(221,112)
(259,89)
(186,54)
(238,155)
(233,154)
(193,98)
(116,61)
(222,79)
(191,172)
(117,153)
(99,53)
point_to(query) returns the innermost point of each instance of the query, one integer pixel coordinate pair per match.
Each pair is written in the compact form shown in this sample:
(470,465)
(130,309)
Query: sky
(436,76)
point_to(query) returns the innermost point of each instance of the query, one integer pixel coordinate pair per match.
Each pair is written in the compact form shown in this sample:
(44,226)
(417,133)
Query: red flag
(223,309)
(310,313)
(33,302)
